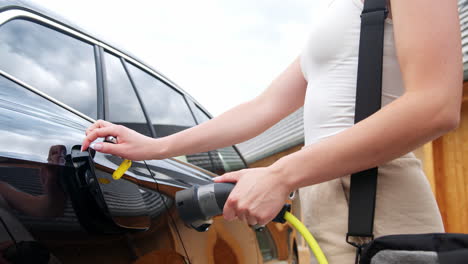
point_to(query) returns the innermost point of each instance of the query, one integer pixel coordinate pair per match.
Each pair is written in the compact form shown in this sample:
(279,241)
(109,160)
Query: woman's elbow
(451,122)
(448,118)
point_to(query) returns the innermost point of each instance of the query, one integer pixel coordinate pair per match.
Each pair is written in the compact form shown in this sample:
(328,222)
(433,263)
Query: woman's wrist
(284,173)
(158,148)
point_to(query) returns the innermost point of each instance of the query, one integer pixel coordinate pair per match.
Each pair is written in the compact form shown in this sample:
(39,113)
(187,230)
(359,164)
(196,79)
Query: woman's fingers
(230,207)
(257,197)
(228,177)
(109,148)
(243,213)
(233,209)
(99,132)
(251,220)
(130,144)
(97,124)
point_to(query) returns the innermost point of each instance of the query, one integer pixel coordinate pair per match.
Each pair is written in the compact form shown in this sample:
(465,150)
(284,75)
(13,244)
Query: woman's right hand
(130,144)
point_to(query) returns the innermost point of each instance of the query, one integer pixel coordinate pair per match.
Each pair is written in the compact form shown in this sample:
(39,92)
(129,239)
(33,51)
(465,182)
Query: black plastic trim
(191,110)
(99,83)
(148,119)
(105,89)
(240,155)
(197,122)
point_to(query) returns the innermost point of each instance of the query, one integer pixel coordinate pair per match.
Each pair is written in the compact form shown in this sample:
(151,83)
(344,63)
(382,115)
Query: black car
(61,205)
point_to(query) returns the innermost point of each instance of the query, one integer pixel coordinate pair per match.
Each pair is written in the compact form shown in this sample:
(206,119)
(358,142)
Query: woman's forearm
(242,122)
(395,130)
(231,127)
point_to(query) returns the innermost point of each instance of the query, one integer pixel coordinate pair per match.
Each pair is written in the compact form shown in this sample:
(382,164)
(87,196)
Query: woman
(422,87)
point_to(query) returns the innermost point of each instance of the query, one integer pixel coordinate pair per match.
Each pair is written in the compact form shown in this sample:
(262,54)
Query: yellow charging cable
(120,171)
(314,246)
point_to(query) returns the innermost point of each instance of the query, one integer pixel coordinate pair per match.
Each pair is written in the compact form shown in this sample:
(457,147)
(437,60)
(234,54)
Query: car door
(38,134)
(33,161)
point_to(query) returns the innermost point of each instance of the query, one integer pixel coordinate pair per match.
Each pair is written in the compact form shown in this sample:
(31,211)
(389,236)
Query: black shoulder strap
(368,101)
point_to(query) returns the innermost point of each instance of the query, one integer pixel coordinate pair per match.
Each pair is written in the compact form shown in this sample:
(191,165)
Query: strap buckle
(358,246)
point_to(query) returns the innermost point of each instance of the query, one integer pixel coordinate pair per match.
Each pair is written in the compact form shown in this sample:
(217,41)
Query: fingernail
(97,146)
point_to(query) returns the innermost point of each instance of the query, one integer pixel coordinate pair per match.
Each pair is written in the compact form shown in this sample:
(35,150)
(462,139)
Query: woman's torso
(405,203)
(329,63)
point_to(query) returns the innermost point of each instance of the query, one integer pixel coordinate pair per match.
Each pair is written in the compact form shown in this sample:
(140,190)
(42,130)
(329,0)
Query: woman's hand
(130,144)
(258,196)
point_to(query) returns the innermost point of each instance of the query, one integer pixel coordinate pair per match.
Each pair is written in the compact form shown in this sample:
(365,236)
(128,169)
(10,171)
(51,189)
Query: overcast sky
(222,52)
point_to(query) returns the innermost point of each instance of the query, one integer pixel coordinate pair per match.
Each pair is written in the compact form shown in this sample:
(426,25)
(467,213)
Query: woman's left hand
(258,196)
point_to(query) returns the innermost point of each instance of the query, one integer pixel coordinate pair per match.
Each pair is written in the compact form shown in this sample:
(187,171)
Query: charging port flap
(104,205)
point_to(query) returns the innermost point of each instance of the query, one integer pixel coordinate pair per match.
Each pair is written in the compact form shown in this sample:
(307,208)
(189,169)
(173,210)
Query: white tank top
(329,64)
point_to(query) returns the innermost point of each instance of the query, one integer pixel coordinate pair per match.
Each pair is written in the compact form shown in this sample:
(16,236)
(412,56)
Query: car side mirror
(104,205)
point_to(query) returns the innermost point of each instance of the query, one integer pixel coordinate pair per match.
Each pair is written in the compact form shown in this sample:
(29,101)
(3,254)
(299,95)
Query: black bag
(415,249)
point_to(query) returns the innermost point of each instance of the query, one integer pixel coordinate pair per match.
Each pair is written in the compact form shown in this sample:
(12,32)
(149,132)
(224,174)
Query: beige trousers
(405,205)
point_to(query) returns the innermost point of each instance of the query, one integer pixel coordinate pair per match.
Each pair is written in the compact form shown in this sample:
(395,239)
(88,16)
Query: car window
(199,114)
(165,106)
(30,124)
(230,160)
(124,107)
(55,63)
(224,159)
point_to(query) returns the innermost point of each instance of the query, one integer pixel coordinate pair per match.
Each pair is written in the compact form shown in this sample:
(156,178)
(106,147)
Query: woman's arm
(427,36)
(284,95)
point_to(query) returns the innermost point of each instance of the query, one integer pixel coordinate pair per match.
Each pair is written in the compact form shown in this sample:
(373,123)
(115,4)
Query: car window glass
(57,64)
(26,117)
(224,159)
(200,115)
(166,107)
(124,107)
(230,160)
(206,160)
